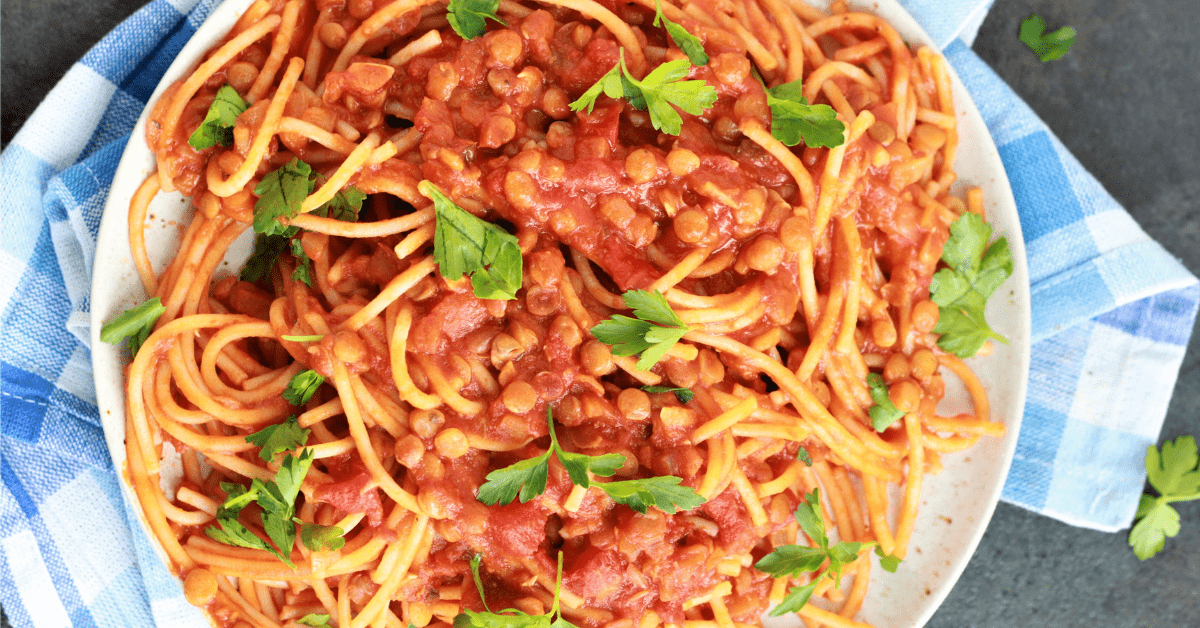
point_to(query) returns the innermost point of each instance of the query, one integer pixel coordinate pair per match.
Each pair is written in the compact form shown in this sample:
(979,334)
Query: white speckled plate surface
(956,504)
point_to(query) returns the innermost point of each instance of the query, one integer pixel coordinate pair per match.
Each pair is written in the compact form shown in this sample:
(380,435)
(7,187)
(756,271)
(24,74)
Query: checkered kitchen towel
(1112,312)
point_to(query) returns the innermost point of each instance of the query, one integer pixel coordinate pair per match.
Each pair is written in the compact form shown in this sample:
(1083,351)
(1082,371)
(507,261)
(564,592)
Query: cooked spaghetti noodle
(799,270)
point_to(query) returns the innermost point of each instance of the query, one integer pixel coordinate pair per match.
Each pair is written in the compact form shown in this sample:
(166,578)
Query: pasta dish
(560,313)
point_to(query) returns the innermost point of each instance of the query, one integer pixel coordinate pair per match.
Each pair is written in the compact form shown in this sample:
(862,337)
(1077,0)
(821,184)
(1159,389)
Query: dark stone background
(1123,101)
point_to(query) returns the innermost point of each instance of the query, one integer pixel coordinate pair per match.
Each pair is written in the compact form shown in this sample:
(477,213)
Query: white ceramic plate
(956,504)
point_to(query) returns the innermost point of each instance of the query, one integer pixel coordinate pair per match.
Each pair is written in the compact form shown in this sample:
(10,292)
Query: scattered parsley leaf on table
(464,243)
(280,194)
(884,412)
(1174,474)
(302,387)
(217,127)
(687,42)
(793,120)
(658,93)
(136,324)
(796,560)
(1048,46)
(468,17)
(276,439)
(655,330)
(961,291)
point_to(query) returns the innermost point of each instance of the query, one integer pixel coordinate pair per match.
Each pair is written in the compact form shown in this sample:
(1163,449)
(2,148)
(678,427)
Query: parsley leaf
(884,412)
(511,617)
(314,620)
(467,17)
(463,243)
(658,93)
(1048,46)
(889,562)
(344,205)
(278,499)
(793,120)
(303,272)
(803,456)
(655,330)
(962,290)
(217,127)
(229,530)
(795,560)
(1174,474)
(280,194)
(578,465)
(300,390)
(663,492)
(276,439)
(136,324)
(527,476)
(687,42)
(684,395)
(312,338)
(317,537)
(267,249)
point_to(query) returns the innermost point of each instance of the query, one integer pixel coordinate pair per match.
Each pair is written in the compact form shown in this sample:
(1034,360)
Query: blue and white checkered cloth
(1112,313)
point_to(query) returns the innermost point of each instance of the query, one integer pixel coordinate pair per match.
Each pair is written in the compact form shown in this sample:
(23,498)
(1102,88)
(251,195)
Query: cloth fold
(1112,314)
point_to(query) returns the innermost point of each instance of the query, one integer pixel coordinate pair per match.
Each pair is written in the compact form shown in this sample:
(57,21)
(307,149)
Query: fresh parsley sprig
(976,270)
(884,412)
(267,249)
(1048,46)
(302,387)
(796,560)
(136,324)
(344,205)
(658,93)
(527,479)
(511,617)
(1174,474)
(655,330)
(793,120)
(217,127)
(687,42)
(468,17)
(463,243)
(276,498)
(803,456)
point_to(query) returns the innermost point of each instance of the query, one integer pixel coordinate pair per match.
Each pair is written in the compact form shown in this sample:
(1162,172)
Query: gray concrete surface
(1124,102)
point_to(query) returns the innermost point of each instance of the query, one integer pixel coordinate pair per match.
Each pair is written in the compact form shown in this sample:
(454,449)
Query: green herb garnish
(467,17)
(793,120)
(217,127)
(655,330)
(136,324)
(884,412)
(276,439)
(463,243)
(961,291)
(687,42)
(659,93)
(684,395)
(281,193)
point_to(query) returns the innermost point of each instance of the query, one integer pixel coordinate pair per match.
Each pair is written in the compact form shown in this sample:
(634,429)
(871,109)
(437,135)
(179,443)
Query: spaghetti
(797,272)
